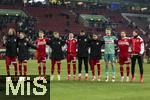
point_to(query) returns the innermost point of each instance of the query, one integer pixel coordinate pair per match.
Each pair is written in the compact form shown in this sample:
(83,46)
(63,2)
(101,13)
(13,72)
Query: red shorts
(94,61)
(10,60)
(41,59)
(124,60)
(71,57)
(23,61)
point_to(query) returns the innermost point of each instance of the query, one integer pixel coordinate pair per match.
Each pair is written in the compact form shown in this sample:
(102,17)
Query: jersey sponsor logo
(109,41)
(123,43)
(41,43)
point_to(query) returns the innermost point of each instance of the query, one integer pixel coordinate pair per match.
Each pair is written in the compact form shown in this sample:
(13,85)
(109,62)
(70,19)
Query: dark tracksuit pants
(140,63)
(80,60)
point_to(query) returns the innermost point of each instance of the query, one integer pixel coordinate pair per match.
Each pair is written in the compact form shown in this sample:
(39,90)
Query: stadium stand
(61,18)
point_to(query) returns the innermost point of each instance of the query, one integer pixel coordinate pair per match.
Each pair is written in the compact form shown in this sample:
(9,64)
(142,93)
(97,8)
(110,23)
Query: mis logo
(21,84)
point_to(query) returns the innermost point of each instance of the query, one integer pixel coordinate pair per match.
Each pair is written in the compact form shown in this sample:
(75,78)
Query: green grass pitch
(93,90)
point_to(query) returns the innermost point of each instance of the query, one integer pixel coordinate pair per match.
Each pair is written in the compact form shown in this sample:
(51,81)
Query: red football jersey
(41,46)
(123,45)
(137,45)
(71,46)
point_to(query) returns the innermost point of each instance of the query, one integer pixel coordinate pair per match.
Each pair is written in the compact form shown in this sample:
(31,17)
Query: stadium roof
(12,12)
(93,17)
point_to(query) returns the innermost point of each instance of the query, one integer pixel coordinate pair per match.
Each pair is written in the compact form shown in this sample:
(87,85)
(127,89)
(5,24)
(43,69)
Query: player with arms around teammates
(109,54)
(56,45)
(95,55)
(83,53)
(71,55)
(10,42)
(41,53)
(23,52)
(124,56)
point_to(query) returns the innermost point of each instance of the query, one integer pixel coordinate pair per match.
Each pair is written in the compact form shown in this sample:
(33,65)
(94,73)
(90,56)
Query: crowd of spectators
(24,24)
(11,2)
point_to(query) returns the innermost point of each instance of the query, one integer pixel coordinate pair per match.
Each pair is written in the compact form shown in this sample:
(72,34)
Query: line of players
(85,48)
